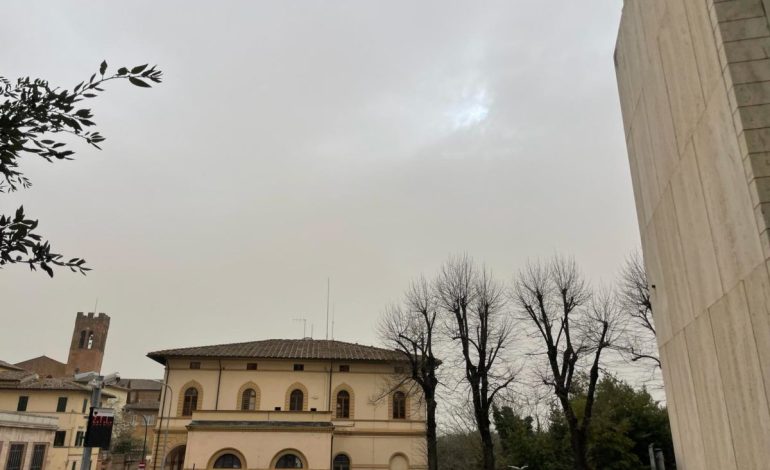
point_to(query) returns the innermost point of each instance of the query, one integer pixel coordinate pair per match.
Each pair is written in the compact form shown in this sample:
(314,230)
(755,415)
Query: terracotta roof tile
(284,349)
(24,380)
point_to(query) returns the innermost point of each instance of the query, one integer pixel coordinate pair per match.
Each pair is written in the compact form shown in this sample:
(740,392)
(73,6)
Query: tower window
(90,341)
(299,367)
(82,342)
(251,366)
(344,368)
(61,405)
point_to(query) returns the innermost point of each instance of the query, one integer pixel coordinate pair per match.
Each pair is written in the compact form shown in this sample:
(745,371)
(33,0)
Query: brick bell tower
(89,338)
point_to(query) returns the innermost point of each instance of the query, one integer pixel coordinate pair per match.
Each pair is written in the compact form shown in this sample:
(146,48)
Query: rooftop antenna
(304,326)
(311,331)
(96,306)
(334,307)
(328,283)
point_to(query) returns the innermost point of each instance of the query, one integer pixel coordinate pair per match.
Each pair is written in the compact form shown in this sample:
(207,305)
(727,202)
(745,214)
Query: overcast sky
(295,141)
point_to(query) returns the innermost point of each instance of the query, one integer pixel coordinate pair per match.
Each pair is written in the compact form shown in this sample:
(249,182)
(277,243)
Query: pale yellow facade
(694,81)
(369,437)
(73,420)
(33,434)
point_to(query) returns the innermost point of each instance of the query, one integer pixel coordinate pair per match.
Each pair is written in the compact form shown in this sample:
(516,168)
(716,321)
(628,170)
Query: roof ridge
(294,348)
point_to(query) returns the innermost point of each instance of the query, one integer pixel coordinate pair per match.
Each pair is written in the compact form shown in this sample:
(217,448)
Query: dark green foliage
(625,422)
(459,451)
(522,444)
(33,117)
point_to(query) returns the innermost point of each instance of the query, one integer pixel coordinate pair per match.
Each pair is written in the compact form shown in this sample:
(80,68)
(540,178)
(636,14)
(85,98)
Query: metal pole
(96,396)
(144,446)
(651,451)
(660,461)
(168,419)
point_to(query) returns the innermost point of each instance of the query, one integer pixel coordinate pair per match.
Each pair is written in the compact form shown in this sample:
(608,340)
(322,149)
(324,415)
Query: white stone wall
(694,82)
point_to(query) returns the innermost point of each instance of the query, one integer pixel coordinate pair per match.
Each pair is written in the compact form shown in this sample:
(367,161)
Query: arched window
(343,404)
(249,399)
(289,461)
(399,405)
(227,461)
(190,401)
(82,342)
(341,462)
(296,400)
(175,459)
(90,340)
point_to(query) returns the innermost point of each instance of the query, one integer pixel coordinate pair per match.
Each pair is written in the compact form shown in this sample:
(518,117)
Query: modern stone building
(272,404)
(694,81)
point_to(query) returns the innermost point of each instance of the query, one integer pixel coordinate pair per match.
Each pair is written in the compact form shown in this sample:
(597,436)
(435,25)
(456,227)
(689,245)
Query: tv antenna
(304,326)
(328,284)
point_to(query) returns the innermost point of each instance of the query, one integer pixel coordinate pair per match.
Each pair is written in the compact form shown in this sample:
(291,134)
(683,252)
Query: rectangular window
(61,405)
(79,439)
(195,365)
(58,438)
(74,464)
(150,420)
(251,366)
(299,366)
(38,457)
(15,457)
(85,406)
(277,408)
(22,405)
(345,368)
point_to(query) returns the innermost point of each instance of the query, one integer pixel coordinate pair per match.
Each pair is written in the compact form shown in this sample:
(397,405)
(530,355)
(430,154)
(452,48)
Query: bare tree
(411,329)
(572,328)
(475,305)
(639,342)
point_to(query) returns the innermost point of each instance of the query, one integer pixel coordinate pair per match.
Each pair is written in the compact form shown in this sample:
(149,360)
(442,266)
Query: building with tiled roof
(285,349)
(63,399)
(288,403)
(6,366)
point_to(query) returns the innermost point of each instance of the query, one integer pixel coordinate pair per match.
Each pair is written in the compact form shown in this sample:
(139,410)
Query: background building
(312,404)
(87,345)
(694,81)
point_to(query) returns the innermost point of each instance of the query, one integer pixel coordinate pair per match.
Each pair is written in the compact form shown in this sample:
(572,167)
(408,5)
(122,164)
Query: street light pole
(144,446)
(96,398)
